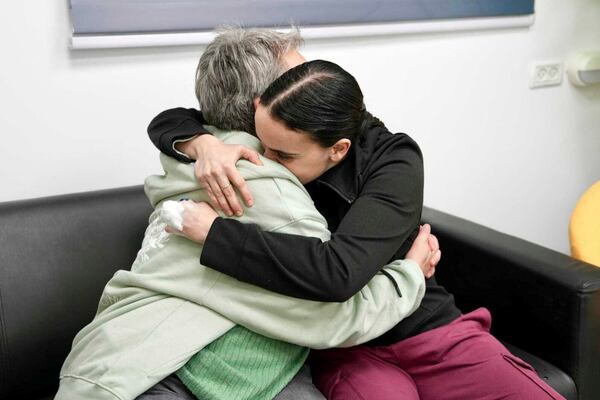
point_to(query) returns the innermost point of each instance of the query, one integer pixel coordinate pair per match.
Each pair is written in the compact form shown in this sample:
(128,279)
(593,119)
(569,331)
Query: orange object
(584,229)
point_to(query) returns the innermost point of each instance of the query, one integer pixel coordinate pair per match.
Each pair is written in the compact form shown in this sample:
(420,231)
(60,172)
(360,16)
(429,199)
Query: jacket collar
(344,178)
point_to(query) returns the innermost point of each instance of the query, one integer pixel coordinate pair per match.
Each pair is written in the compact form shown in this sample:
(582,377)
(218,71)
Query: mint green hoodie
(152,319)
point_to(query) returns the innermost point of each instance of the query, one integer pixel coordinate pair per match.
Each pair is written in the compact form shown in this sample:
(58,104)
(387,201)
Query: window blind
(138,17)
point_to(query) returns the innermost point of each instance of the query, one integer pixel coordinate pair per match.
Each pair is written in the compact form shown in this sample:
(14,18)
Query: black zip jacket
(372,202)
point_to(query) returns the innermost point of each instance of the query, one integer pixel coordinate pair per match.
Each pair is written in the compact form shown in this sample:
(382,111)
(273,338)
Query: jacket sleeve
(174,125)
(381,220)
(283,205)
(374,310)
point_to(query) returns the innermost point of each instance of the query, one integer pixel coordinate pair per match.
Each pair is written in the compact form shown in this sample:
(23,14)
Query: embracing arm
(283,206)
(378,223)
(174,125)
(384,301)
(175,133)
(374,310)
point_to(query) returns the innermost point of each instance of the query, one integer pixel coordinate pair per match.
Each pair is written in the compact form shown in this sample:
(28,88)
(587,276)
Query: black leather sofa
(57,253)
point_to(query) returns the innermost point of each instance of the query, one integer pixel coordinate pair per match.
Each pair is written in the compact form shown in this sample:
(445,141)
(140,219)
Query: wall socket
(545,74)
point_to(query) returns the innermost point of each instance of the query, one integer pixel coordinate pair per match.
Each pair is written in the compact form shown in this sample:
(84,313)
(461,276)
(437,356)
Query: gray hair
(236,67)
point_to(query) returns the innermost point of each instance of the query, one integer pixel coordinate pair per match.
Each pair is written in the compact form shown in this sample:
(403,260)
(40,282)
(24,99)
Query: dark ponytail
(319,98)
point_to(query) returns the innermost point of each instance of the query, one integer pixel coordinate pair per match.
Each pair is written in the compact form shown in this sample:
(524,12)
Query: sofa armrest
(542,301)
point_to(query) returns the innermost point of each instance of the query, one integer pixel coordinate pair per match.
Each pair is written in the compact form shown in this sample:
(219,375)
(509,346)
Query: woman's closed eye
(278,155)
(283,156)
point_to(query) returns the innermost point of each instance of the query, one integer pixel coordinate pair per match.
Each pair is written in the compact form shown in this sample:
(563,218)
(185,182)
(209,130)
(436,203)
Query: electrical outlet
(545,74)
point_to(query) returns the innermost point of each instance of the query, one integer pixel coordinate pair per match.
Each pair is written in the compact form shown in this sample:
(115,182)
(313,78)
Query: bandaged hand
(193,222)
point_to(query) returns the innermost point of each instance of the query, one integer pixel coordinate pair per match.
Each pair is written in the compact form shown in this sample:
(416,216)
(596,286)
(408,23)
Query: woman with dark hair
(368,183)
(333,99)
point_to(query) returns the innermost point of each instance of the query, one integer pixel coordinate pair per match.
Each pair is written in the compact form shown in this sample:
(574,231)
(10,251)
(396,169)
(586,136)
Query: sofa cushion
(57,255)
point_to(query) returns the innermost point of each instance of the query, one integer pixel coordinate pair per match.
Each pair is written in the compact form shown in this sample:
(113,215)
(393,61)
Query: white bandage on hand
(171,213)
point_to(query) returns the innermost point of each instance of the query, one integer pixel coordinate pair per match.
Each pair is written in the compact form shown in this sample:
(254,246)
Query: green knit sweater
(242,365)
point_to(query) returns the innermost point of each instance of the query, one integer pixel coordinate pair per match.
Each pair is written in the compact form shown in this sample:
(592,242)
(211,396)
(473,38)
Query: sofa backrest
(56,255)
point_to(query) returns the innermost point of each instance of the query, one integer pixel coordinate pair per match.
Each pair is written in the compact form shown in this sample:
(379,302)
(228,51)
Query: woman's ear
(256,102)
(339,150)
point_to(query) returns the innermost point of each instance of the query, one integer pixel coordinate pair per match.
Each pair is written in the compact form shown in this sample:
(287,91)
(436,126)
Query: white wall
(496,152)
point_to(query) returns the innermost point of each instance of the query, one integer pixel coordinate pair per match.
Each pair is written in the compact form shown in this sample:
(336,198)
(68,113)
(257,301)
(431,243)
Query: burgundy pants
(458,361)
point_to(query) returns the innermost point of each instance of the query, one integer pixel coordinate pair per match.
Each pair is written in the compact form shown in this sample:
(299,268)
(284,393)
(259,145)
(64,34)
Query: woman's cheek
(293,168)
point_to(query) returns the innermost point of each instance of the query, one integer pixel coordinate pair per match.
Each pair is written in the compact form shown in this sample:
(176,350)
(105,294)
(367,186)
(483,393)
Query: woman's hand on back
(425,251)
(215,170)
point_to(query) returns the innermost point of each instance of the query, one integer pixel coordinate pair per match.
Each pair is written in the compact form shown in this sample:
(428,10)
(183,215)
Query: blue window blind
(101,17)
